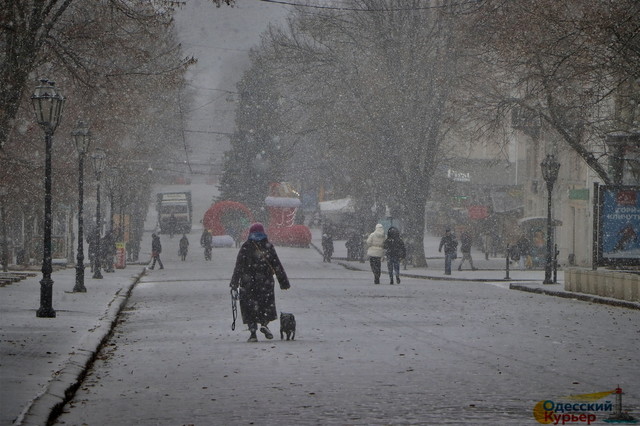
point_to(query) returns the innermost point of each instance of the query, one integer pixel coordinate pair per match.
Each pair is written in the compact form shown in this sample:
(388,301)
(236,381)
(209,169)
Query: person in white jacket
(375,251)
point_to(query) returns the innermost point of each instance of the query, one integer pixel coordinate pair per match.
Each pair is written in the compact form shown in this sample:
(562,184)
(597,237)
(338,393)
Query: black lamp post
(550,168)
(47,105)
(3,213)
(98,158)
(110,180)
(82,139)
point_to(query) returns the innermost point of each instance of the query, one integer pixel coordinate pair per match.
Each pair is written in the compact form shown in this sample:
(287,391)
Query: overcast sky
(220,38)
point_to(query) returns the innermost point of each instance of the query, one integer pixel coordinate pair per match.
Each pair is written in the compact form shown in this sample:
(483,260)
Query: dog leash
(234,307)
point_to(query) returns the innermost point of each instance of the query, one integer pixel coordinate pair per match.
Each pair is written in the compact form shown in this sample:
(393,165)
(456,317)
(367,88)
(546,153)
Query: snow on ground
(423,352)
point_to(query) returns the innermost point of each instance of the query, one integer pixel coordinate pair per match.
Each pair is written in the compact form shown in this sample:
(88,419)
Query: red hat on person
(256,227)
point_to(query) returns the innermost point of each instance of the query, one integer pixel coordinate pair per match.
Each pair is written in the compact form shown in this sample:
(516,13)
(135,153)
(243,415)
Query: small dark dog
(287,326)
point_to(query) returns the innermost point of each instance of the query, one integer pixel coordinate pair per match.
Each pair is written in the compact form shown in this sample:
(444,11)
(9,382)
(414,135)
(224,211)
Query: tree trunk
(414,207)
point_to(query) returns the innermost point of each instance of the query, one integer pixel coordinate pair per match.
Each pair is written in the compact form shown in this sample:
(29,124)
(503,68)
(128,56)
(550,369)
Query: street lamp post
(47,105)
(82,139)
(98,158)
(110,180)
(550,168)
(3,213)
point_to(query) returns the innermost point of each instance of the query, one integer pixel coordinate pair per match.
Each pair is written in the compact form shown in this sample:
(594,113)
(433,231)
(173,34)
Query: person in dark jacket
(524,250)
(256,264)
(156,249)
(465,248)
(206,241)
(395,251)
(184,247)
(450,245)
(353,245)
(172,224)
(92,238)
(108,250)
(327,247)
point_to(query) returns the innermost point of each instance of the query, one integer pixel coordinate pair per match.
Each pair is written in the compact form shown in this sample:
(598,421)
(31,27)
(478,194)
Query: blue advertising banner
(619,236)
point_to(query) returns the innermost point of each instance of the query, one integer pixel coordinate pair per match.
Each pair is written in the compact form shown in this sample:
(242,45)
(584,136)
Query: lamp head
(82,137)
(550,168)
(99,158)
(48,103)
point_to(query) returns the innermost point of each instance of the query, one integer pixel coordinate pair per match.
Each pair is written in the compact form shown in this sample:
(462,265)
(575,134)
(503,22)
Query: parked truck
(174,211)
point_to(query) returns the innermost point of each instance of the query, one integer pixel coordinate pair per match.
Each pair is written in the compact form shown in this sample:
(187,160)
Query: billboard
(619,225)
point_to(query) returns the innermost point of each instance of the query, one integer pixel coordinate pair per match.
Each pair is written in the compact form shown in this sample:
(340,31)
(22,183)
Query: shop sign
(457,176)
(579,194)
(478,212)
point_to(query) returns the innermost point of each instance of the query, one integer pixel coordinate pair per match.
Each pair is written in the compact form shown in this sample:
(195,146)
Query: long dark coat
(256,264)
(394,246)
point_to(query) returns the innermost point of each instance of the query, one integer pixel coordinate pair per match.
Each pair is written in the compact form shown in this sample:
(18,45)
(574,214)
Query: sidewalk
(43,359)
(492,270)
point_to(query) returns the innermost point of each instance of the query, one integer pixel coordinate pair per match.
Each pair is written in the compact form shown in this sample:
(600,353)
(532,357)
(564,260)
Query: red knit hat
(256,227)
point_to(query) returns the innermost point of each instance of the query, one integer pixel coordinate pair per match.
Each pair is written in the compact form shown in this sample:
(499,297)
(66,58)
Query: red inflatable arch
(229,214)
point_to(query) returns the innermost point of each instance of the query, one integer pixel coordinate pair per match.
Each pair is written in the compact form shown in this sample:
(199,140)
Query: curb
(512,286)
(48,404)
(577,296)
(342,262)
(438,277)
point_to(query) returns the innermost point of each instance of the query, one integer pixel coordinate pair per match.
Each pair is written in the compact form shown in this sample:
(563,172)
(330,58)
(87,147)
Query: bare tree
(35,32)
(371,86)
(121,71)
(572,65)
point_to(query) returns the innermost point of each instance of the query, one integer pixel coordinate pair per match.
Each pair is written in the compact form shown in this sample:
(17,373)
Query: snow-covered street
(423,352)
(428,351)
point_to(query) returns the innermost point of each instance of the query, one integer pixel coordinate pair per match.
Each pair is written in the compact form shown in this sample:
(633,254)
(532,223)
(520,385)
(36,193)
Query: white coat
(375,242)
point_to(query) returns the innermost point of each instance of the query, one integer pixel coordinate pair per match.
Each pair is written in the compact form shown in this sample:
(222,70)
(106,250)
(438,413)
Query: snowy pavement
(424,352)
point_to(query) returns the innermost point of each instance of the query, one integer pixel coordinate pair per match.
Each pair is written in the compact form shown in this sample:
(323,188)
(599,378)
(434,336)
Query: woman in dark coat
(256,264)
(395,251)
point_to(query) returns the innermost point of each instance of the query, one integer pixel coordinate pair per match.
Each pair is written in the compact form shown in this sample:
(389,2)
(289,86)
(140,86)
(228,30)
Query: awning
(538,220)
(343,205)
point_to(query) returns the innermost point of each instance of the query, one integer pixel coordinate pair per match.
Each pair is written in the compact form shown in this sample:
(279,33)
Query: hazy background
(220,38)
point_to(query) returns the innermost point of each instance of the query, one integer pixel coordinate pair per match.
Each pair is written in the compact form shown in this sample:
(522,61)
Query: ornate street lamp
(47,105)
(82,139)
(550,168)
(99,159)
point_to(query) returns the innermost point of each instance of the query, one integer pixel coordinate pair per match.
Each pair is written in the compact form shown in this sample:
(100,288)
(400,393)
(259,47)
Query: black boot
(253,337)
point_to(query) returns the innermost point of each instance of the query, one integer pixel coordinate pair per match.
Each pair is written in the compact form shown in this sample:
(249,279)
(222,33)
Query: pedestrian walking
(486,245)
(450,245)
(108,250)
(184,247)
(156,249)
(256,264)
(395,251)
(92,237)
(327,247)
(206,241)
(524,252)
(354,245)
(375,251)
(465,249)
(173,224)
